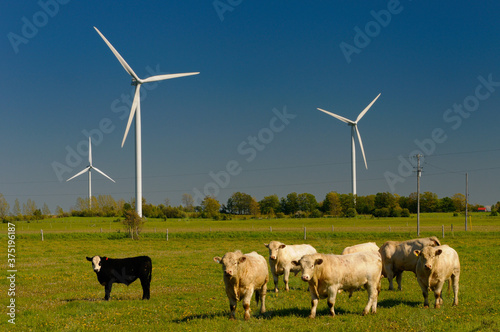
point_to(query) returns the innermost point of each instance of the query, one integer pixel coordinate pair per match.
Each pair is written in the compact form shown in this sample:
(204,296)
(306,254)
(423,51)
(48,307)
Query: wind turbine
(354,132)
(136,110)
(89,169)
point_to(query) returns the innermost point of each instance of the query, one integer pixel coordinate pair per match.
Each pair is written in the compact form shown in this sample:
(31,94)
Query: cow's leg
(286,275)
(390,275)
(145,288)
(107,290)
(399,276)
(454,279)
(232,307)
(247,297)
(262,295)
(372,291)
(425,293)
(275,277)
(437,293)
(332,294)
(314,302)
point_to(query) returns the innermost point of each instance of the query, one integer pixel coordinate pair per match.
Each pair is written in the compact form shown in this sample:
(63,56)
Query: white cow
(327,274)
(435,265)
(280,259)
(244,274)
(369,246)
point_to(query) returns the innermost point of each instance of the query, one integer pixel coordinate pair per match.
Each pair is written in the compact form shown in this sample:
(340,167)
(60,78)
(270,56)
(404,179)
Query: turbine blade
(137,99)
(341,118)
(80,173)
(167,76)
(367,108)
(361,145)
(102,173)
(119,57)
(90,152)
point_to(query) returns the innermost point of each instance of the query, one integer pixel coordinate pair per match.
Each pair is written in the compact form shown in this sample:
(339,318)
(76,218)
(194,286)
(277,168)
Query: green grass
(56,288)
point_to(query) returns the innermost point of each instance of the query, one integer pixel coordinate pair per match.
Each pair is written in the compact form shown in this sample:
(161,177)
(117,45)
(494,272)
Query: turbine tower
(354,132)
(136,110)
(89,168)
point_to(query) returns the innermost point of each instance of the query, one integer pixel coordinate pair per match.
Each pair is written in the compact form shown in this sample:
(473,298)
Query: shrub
(133,223)
(350,213)
(494,213)
(405,213)
(381,213)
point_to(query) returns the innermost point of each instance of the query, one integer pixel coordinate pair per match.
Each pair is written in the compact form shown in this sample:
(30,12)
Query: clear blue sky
(436,65)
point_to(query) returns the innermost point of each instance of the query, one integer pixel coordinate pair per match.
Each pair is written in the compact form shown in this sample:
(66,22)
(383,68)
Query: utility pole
(419,174)
(466,198)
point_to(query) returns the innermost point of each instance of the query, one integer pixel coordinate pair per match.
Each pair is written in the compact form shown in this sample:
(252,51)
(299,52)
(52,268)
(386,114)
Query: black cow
(122,271)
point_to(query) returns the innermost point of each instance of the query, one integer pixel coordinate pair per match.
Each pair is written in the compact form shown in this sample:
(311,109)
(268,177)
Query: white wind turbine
(136,110)
(354,132)
(89,169)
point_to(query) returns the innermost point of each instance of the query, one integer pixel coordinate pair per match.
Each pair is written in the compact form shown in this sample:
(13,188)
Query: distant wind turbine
(354,132)
(136,110)
(89,169)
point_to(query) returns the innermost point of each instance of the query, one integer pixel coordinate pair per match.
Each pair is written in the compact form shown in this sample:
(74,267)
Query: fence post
(452,234)
(270,229)
(101,229)
(167,234)
(390,229)
(442,230)
(305,233)
(41,231)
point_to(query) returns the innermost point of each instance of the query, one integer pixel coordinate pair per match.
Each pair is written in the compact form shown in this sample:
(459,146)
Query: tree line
(292,205)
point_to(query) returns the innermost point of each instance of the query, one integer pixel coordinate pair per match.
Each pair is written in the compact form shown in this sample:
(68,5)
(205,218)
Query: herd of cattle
(361,265)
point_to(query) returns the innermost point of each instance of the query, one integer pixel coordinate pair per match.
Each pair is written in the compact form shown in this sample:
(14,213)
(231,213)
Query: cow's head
(230,262)
(427,257)
(96,263)
(273,247)
(307,264)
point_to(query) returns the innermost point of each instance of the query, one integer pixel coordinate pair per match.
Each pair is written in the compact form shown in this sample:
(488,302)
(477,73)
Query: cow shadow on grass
(389,303)
(270,314)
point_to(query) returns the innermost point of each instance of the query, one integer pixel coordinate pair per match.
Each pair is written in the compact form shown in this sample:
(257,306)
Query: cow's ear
(266,245)
(295,263)
(438,252)
(89,259)
(319,261)
(217,259)
(416,252)
(282,246)
(242,259)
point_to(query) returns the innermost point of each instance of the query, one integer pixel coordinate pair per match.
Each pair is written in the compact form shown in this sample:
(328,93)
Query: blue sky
(249,121)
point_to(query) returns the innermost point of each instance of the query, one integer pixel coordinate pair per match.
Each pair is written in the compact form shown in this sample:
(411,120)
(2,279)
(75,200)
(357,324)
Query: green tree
(459,202)
(446,205)
(210,207)
(269,205)
(365,204)
(239,203)
(4,207)
(307,202)
(347,202)
(331,204)
(429,202)
(133,223)
(291,203)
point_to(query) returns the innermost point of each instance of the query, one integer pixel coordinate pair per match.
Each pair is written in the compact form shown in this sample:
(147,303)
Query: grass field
(56,288)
